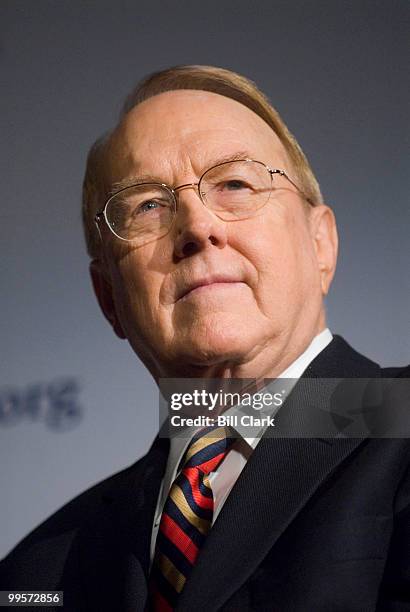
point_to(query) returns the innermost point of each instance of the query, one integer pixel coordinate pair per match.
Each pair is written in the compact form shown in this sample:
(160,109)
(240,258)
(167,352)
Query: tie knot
(208,448)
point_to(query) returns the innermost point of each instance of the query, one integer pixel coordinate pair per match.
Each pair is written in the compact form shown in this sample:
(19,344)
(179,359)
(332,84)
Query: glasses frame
(102,214)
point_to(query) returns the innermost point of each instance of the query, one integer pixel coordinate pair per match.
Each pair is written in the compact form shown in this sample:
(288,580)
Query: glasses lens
(141,213)
(234,190)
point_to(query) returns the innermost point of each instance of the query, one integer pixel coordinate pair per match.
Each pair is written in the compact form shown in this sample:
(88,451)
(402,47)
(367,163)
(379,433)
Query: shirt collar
(293,372)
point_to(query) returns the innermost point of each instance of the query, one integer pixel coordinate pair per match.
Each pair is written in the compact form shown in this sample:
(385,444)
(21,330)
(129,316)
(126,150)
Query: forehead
(188,130)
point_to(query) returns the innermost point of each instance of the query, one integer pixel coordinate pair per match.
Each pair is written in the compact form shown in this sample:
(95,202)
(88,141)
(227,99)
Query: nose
(196,227)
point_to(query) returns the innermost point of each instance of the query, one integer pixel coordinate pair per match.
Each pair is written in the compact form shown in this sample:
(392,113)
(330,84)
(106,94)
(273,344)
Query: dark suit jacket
(317,525)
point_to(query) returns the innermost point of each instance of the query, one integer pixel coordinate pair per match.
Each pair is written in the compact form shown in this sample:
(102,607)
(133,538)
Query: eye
(232,185)
(148,206)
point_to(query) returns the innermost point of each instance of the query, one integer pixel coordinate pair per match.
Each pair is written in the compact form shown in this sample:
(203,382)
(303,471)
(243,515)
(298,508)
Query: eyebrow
(152,178)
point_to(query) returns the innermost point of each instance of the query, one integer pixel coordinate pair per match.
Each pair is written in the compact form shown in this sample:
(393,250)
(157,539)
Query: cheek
(281,252)
(135,292)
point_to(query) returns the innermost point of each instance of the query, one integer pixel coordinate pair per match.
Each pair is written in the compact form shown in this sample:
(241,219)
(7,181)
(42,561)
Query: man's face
(261,281)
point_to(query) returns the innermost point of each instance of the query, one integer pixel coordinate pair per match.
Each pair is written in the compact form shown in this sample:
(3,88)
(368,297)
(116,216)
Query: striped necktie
(186,517)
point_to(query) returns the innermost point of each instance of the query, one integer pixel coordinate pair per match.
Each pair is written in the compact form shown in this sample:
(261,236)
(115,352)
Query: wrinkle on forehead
(179,133)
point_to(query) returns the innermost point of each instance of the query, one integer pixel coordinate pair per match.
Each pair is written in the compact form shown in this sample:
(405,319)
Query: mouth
(207,284)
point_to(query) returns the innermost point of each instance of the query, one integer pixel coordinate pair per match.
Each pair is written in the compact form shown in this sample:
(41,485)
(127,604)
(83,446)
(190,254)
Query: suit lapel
(276,483)
(115,544)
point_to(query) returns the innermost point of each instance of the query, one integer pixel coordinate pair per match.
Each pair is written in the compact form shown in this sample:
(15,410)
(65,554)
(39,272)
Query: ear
(325,240)
(103,291)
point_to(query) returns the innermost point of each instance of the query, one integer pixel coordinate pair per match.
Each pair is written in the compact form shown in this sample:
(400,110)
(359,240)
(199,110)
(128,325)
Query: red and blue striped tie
(186,517)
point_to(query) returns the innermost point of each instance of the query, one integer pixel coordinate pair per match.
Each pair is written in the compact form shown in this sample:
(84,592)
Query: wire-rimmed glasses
(232,190)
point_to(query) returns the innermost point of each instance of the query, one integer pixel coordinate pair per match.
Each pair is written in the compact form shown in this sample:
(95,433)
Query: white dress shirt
(226,474)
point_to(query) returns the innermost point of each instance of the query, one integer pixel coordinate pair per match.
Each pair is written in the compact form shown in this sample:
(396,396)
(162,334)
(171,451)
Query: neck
(269,361)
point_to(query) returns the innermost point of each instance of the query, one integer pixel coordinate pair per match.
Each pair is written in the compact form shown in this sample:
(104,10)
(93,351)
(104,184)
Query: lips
(208,280)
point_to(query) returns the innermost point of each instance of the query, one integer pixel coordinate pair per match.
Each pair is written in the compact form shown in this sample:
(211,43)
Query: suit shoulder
(396,372)
(340,359)
(51,552)
(61,527)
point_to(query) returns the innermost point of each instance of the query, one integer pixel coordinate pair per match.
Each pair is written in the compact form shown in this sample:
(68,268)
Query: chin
(209,344)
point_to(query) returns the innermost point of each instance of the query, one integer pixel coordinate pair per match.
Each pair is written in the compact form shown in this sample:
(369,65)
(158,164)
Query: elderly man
(212,251)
